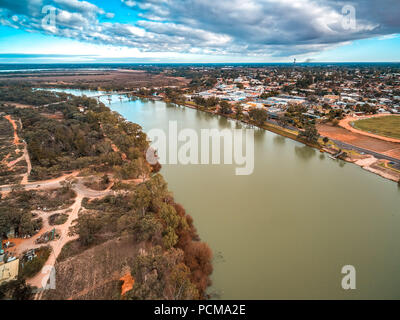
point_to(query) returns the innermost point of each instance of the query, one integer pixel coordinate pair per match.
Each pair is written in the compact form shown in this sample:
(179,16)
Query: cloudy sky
(199,30)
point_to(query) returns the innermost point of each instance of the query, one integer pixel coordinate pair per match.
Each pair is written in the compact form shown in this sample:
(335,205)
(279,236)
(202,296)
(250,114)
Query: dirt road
(12,121)
(41,279)
(25,155)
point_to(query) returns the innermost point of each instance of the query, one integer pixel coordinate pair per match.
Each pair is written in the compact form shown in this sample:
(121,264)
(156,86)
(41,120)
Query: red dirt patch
(129,281)
(16,138)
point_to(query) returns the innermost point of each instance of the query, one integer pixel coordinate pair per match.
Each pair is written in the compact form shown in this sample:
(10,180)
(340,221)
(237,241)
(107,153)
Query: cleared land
(97,79)
(388,126)
(108,263)
(391,149)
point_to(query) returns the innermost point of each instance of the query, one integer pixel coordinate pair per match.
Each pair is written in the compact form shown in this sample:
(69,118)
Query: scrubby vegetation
(90,138)
(23,94)
(16,209)
(8,153)
(16,290)
(150,215)
(29,268)
(84,138)
(58,219)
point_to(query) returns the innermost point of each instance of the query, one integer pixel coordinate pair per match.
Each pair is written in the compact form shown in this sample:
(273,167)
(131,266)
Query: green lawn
(388,126)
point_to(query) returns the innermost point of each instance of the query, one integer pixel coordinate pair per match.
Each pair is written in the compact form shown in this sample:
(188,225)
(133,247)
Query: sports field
(388,126)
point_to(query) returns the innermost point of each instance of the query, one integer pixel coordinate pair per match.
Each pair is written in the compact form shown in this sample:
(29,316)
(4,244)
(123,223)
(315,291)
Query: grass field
(384,126)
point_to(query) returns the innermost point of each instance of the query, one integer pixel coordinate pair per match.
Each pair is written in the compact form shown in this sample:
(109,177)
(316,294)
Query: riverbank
(352,155)
(376,166)
(367,162)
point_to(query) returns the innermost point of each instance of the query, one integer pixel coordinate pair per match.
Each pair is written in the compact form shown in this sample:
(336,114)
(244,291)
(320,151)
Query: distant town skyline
(205,31)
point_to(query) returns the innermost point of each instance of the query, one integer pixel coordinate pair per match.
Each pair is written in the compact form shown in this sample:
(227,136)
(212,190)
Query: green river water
(286,231)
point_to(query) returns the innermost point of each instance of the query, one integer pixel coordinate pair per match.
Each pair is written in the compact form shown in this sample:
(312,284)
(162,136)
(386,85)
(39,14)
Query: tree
(142,199)
(198,257)
(183,288)
(161,275)
(282,121)
(239,111)
(225,107)
(26,226)
(16,290)
(259,116)
(266,95)
(211,102)
(310,134)
(5,224)
(105,180)
(172,221)
(87,228)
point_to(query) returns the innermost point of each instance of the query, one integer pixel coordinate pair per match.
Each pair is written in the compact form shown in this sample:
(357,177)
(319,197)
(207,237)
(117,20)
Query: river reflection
(305,152)
(279,140)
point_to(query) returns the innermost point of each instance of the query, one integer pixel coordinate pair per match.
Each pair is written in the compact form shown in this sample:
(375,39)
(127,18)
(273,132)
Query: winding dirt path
(40,280)
(25,155)
(12,121)
(22,245)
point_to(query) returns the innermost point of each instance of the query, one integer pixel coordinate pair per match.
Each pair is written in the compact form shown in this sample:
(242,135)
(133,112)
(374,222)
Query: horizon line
(165,62)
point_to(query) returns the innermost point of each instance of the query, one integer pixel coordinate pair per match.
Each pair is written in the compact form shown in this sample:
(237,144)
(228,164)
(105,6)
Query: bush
(31,268)
(58,219)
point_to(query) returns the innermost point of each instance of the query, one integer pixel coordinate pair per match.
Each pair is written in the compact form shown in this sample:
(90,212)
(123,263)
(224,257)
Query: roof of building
(9,271)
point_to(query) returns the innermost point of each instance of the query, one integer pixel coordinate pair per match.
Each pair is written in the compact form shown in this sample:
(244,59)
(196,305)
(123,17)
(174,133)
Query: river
(286,231)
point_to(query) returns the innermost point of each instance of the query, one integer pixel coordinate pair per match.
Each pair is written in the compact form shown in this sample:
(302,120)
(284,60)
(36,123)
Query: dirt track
(25,156)
(25,244)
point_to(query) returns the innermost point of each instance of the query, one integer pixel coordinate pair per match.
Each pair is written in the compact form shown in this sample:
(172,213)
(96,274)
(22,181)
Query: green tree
(310,134)
(239,111)
(87,228)
(26,225)
(16,290)
(259,116)
(142,198)
(225,107)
